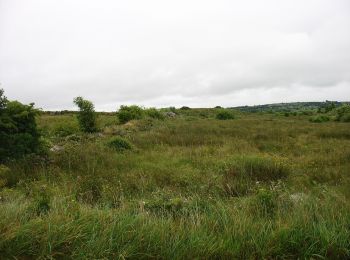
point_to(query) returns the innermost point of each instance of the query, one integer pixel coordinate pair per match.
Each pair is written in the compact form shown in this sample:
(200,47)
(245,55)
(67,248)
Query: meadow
(259,186)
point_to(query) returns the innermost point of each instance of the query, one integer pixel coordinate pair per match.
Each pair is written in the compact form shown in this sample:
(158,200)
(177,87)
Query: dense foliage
(120,144)
(127,113)
(225,115)
(87,115)
(18,130)
(154,113)
(343,113)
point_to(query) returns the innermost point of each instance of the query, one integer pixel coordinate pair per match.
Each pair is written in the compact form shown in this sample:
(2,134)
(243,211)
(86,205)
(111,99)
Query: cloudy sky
(173,53)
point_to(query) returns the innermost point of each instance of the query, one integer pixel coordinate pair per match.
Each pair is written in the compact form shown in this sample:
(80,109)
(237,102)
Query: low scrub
(128,113)
(225,115)
(120,144)
(154,113)
(319,119)
(343,114)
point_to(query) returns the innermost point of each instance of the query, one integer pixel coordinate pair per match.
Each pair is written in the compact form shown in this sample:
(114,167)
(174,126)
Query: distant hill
(289,107)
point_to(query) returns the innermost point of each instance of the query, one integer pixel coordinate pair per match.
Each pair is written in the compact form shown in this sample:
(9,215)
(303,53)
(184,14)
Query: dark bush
(127,113)
(120,144)
(225,115)
(87,115)
(18,130)
(319,119)
(185,108)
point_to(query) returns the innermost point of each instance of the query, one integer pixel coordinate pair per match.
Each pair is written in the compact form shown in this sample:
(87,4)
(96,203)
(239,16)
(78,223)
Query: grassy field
(258,186)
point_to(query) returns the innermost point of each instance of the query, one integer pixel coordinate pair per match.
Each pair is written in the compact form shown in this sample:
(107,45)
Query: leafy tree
(87,115)
(127,113)
(18,130)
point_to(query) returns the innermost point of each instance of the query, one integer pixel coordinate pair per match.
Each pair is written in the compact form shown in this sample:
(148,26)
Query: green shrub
(18,130)
(127,113)
(319,119)
(87,115)
(343,113)
(120,144)
(185,108)
(225,115)
(154,113)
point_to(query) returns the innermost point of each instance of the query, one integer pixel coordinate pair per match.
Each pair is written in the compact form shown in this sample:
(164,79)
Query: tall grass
(258,186)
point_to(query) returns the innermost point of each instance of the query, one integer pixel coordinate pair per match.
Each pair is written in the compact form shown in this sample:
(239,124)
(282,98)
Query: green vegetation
(154,113)
(87,115)
(262,186)
(127,113)
(19,135)
(120,144)
(343,113)
(319,119)
(224,114)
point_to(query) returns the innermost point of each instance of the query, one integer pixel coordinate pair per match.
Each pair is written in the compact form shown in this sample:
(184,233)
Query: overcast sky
(172,53)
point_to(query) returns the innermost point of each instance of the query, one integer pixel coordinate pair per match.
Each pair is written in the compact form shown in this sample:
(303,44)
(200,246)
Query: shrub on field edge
(127,113)
(120,144)
(343,113)
(154,113)
(319,119)
(19,134)
(225,115)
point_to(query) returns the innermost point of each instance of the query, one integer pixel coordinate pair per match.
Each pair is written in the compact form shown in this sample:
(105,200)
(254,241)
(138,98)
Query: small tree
(154,113)
(18,130)
(87,115)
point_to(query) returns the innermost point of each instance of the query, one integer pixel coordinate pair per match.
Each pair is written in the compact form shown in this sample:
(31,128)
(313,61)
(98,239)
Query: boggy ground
(258,186)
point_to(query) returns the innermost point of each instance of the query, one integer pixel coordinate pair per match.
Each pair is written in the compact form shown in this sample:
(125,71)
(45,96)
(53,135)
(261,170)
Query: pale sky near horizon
(173,53)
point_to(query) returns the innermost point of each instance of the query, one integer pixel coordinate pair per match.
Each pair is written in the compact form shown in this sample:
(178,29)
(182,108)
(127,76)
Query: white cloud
(163,53)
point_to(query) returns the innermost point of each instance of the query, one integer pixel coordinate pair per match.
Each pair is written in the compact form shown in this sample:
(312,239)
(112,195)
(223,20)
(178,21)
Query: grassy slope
(260,186)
